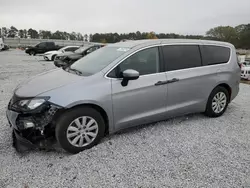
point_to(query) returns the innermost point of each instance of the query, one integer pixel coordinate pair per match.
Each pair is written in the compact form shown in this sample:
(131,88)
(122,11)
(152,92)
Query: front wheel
(53,57)
(79,129)
(217,102)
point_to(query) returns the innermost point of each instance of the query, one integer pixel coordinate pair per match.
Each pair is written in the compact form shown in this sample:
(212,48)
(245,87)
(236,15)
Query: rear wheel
(217,102)
(32,53)
(79,129)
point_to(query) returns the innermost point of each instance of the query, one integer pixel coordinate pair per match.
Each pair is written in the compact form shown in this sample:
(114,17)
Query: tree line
(239,35)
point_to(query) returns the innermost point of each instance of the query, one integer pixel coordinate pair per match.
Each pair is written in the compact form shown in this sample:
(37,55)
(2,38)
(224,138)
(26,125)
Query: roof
(147,42)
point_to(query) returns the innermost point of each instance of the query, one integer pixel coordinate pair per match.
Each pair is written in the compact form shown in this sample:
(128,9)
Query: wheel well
(53,57)
(100,110)
(227,87)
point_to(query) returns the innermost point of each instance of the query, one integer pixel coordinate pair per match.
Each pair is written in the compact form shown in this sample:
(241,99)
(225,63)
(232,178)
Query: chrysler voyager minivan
(123,85)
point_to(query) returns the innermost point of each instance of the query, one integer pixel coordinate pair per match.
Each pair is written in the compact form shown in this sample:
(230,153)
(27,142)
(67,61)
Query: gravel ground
(190,151)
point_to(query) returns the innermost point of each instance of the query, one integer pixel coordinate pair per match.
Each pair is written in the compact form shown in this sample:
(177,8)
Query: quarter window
(212,55)
(145,62)
(71,49)
(178,57)
(42,45)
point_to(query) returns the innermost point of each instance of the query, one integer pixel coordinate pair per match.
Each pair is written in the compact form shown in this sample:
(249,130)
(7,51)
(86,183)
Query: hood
(45,82)
(65,54)
(50,52)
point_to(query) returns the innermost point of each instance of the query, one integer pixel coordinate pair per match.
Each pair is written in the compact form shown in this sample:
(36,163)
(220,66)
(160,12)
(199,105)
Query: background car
(41,48)
(50,56)
(1,44)
(67,59)
(245,70)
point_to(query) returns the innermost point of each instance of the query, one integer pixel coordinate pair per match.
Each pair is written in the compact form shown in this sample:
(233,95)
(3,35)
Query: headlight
(62,57)
(30,104)
(47,53)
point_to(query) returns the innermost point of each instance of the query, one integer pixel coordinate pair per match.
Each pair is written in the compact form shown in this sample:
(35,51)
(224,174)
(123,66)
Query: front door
(142,100)
(41,48)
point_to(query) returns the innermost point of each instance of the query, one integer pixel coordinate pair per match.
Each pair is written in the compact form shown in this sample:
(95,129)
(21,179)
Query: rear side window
(50,44)
(71,49)
(177,57)
(212,55)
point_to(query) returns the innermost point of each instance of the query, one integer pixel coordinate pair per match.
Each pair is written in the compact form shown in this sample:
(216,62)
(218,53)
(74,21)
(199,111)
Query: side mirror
(129,74)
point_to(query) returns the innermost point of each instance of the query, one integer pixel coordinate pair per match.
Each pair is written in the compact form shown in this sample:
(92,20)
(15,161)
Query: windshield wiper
(75,71)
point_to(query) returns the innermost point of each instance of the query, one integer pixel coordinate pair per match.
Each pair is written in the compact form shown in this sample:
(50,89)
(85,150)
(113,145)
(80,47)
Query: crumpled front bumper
(19,142)
(38,137)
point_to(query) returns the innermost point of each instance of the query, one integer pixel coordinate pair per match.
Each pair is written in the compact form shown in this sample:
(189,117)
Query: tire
(215,112)
(46,59)
(66,122)
(32,53)
(53,57)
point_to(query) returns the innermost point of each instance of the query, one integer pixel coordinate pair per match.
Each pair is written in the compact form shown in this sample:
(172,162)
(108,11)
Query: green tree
(73,36)
(79,36)
(104,41)
(85,37)
(12,32)
(21,33)
(224,33)
(151,35)
(25,33)
(243,32)
(33,33)
(90,38)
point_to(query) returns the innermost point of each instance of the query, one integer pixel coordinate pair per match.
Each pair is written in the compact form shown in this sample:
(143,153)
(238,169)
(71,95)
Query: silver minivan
(123,85)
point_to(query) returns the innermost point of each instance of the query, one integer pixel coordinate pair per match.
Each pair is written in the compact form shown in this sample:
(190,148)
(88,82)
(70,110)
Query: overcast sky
(90,16)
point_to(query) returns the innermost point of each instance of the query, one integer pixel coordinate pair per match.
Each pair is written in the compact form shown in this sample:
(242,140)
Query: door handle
(166,82)
(173,80)
(161,83)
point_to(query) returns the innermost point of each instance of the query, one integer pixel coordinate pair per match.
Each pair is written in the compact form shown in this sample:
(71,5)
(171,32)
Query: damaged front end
(33,121)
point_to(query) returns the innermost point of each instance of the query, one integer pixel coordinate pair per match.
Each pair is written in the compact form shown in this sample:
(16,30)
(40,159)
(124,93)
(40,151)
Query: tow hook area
(35,131)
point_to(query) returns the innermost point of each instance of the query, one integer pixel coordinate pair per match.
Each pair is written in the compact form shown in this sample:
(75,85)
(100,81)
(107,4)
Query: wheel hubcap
(219,102)
(82,131)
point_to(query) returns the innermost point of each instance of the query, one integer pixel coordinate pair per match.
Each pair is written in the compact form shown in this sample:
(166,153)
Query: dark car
(5,47)
(66,59)
(42,48)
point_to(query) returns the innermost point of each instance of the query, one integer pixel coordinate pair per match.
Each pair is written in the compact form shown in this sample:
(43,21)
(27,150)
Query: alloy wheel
(82,131)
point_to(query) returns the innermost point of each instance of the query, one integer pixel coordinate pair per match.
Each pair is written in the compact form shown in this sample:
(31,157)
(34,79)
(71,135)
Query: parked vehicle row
(68,58)
(50,55)
(123,85)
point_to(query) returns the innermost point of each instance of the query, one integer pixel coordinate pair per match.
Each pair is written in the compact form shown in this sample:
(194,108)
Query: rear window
(177,57)
(212,55)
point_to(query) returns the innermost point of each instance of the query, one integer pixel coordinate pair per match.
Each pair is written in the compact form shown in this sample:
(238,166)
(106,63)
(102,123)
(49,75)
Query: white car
(245,72)
(1,44)
(50,56)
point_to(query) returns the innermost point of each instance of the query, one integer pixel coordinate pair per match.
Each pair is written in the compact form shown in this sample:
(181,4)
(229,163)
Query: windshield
(97,60)
(61,49)
(80,50)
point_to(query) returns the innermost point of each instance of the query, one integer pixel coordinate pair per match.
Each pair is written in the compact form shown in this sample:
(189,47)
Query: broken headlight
(30,104)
